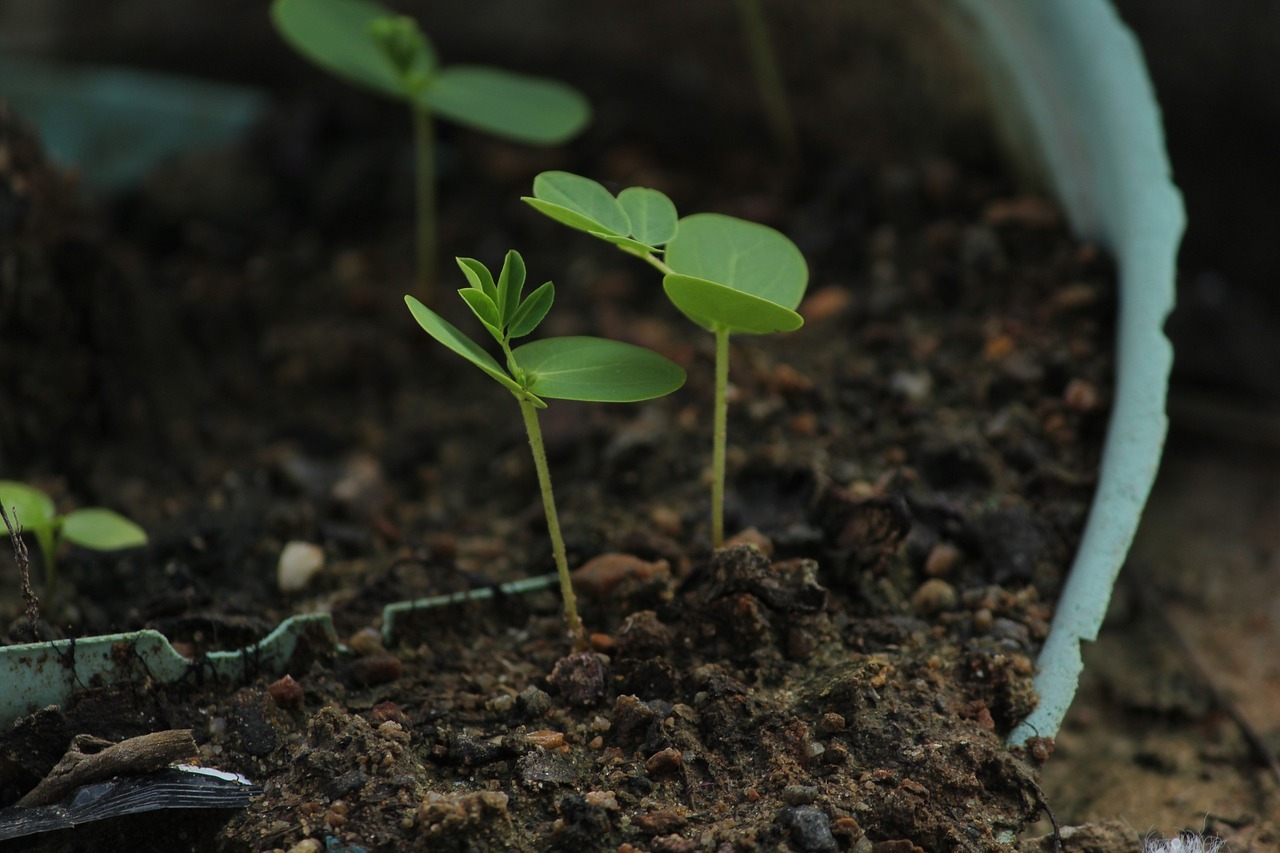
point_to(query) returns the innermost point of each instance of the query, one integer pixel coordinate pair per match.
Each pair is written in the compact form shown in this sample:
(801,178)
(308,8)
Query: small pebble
(389,712)
(503,703)
(299,563)
(378,669)
(581,678)
(307,845)
(998,347)
(1081,396)
(831,723)
(751,536)
(286,692)
(829,301)
(366,642)
(602,799)
(941,560)
(912,386)
(667,520)
(545,739)
(810,829)
(799,795)
(599,576)
(934,596)
(664,762)
(661,821)
(534,701)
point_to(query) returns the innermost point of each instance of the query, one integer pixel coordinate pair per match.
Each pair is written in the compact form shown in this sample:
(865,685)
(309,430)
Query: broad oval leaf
(519,107)
(712,305)
(653,215)
(337,36)
(579,203)
(102,530)
(596,369)
(446,333)
(532,311)
(479,277)
(745,256)
(34,508)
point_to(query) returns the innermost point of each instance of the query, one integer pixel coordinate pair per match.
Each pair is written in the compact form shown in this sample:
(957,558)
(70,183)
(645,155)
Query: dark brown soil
(909,474)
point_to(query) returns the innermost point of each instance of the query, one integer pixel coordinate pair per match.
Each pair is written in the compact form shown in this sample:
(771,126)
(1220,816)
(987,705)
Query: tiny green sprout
(93,527)
(371,46)
(569,368)
(725,274)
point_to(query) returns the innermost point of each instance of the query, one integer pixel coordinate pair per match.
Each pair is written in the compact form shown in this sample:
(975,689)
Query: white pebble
(299,562)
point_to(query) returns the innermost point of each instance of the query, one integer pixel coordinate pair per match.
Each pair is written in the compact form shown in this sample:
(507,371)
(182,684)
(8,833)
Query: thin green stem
(764,63)
(656,262)
(720,438)
(553,522)
(47,542)
(425,189)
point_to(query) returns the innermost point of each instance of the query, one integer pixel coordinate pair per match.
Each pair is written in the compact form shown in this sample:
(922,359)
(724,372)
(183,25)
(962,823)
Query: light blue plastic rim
(1070,77)
(37,675)
(116,124)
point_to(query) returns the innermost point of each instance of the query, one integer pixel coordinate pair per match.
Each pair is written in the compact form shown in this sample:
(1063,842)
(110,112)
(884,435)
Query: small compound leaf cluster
(640,220)
(723,273)
(369,44)
(570,368)
(499,304)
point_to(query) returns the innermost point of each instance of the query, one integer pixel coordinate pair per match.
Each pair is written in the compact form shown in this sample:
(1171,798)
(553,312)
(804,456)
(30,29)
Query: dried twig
(24,570)
(83,765)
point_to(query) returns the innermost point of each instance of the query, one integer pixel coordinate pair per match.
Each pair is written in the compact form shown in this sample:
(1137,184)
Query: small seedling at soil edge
(93,527)
(569,368)
(371,46)
(725,274)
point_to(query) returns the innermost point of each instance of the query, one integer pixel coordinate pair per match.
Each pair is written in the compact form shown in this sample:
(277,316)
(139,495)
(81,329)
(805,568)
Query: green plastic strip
(1071,83)
(392,612)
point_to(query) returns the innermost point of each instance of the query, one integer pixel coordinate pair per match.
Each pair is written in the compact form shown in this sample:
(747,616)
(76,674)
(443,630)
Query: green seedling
(727,275)
(569,368)
(764,65)
(93,527)
(373,47)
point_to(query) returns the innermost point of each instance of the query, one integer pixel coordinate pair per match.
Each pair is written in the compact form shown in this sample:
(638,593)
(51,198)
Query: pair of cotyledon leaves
(95,528)
(727,274)
(569,368)
(369,44)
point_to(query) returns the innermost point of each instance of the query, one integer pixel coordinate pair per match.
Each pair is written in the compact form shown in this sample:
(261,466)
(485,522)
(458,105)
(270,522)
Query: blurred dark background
(1216,69)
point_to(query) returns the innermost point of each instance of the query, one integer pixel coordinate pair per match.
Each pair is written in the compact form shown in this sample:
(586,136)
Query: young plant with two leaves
(727,275)
(94,528)
(371,46)
(568,368)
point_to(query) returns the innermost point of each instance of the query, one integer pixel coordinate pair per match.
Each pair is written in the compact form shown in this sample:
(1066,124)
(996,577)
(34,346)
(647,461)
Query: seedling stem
(424,140)
(720,438)
(764,64)
(530,413)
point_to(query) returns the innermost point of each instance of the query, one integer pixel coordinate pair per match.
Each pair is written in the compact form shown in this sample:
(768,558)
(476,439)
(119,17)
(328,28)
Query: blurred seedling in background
(764,66)
(727,275)
(94,528)
(373,47)
(568,368)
